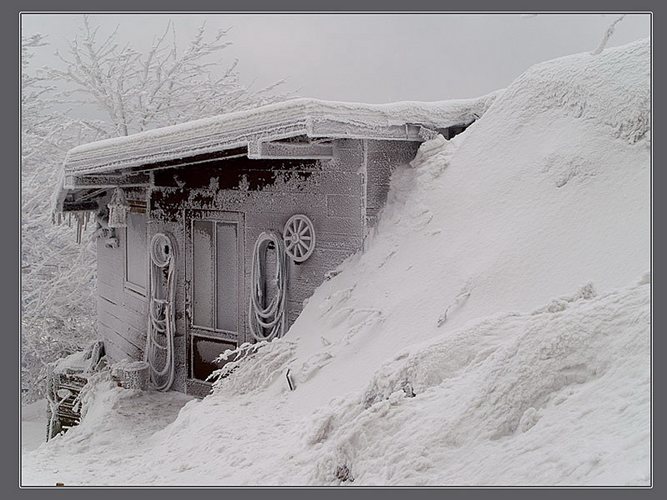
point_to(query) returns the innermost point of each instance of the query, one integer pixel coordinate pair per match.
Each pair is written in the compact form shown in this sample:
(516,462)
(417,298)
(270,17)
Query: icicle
(79,217)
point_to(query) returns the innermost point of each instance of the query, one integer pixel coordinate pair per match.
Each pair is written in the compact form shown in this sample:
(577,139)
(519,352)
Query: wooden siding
(121,313)
(329,192)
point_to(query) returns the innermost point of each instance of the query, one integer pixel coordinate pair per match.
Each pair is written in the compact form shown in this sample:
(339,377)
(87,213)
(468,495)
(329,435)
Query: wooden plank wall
(121,313)
(330,193)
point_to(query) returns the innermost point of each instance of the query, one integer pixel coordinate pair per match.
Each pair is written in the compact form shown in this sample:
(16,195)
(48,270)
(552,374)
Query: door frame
(191,330)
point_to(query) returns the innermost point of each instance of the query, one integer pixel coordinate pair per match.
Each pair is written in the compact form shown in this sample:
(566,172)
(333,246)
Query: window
(136,258)
(215,280)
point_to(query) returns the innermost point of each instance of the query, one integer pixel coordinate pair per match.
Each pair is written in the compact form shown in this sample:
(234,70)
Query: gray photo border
(9,205)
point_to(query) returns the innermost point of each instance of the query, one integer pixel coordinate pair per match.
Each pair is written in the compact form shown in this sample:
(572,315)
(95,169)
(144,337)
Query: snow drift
(495,331)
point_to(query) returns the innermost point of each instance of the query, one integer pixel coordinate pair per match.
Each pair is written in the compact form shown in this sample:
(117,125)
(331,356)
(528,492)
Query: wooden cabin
(210,188)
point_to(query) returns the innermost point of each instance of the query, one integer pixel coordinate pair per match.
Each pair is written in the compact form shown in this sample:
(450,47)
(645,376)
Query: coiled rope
(161,312)
(268,321)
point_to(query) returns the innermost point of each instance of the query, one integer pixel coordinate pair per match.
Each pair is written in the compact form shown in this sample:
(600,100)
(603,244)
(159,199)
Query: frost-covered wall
(342,197)
(382,157)
(121,307)
(267,193)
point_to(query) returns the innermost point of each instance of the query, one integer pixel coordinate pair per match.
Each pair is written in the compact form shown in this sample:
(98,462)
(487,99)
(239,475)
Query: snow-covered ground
(33,425)
(495,331)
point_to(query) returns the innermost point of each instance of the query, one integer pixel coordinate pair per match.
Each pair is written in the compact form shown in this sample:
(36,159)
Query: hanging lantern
(118,208)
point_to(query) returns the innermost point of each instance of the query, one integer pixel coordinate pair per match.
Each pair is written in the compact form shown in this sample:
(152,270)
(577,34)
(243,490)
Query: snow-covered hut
(213,233)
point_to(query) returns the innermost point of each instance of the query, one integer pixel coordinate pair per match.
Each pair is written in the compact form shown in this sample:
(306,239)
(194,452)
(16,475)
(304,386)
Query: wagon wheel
(299,238)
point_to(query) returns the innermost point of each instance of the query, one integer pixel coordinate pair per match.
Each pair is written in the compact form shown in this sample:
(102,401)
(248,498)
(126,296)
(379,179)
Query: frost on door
(214,277)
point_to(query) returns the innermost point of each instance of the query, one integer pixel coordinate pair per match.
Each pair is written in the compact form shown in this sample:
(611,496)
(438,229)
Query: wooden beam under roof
(80,206)
(73,182)
(332,128)
(290,150)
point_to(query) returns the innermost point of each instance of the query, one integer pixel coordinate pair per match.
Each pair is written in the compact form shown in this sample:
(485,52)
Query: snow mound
(492,331)
(529,204)
(256,371)
(546,398)
(611,90)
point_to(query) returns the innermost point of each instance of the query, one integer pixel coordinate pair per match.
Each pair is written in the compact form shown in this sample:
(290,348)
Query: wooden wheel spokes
(299,237)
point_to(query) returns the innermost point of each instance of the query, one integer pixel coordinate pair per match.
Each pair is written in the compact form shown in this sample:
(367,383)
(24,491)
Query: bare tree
(57,274)
(134,91)
(161,86)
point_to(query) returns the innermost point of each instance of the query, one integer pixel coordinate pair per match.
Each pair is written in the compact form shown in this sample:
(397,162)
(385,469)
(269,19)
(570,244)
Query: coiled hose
(161,312)
(268,321)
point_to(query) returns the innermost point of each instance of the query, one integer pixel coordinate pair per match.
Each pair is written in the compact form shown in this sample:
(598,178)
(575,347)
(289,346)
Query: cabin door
(214,290)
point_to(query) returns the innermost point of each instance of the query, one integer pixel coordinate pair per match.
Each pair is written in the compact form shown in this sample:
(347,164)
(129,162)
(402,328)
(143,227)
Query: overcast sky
(370,57)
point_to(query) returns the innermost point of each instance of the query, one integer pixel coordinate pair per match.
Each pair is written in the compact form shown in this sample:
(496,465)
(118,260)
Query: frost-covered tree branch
(161,86)
(57,274)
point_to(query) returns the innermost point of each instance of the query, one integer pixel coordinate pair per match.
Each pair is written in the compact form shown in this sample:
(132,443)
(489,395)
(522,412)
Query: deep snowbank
(531,203)
(555,397)
(492,332)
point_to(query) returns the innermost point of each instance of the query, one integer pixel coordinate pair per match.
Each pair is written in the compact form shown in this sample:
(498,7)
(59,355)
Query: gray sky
(371,57)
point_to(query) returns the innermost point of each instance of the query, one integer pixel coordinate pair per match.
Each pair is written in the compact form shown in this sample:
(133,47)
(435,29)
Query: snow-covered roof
(311,117)
(254,130)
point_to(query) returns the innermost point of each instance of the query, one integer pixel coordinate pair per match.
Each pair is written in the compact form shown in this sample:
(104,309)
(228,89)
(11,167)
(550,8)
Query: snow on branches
(161,86)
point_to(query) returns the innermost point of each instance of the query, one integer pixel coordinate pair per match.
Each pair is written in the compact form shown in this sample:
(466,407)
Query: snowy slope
(547,192)
(494,331)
